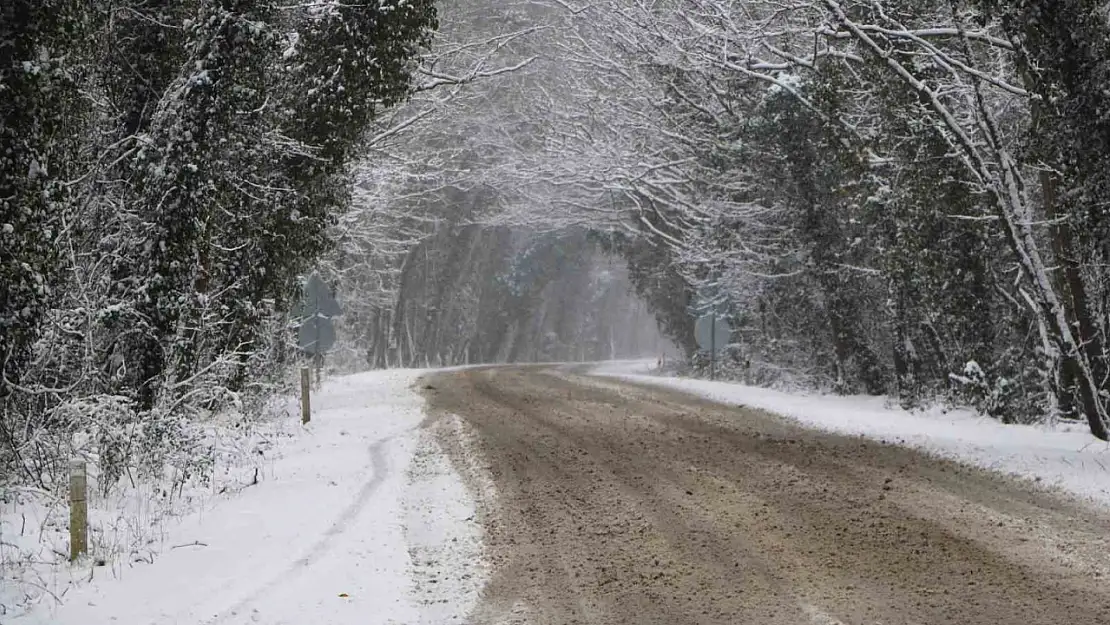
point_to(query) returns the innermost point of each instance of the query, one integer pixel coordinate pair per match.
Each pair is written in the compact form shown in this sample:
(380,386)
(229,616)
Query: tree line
(882,196)
(902,197)
(452,253)
(169,171)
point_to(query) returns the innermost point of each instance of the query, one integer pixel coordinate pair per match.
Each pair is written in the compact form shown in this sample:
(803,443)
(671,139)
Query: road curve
(622,504)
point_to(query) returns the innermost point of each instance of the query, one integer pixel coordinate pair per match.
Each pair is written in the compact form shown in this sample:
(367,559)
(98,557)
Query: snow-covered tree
(171,171)
(39,109)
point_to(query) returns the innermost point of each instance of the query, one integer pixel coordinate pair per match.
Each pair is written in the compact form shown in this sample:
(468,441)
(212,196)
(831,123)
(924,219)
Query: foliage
(880,192)
(169,173)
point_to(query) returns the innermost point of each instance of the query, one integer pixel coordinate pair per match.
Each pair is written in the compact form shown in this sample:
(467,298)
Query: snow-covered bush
(999,396)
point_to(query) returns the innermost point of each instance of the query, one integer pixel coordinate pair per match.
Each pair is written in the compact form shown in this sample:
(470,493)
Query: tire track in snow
(379,467)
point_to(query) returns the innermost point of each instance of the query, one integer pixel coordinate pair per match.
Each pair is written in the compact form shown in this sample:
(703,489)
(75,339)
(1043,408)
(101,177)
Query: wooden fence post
(78,510)
(306,409)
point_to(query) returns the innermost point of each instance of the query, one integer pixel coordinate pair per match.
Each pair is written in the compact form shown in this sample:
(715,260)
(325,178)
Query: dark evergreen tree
(345,63)
(144,49)
(203,168)
(41,116)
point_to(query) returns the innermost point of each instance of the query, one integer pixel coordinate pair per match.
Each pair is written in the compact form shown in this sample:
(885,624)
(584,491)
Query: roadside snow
(128,524)
(1065,457)
(445,549)
(339,530)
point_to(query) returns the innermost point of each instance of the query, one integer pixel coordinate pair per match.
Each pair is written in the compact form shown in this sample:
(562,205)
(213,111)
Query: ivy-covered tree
(344,63)
(41,114)
(202,168)
(144,48)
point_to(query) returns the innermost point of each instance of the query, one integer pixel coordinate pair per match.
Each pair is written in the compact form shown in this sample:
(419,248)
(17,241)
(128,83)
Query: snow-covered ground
(360,520)
(1065,456)
(128,524)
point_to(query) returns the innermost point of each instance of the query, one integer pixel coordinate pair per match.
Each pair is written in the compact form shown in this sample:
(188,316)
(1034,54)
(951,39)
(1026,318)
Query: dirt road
(621,504)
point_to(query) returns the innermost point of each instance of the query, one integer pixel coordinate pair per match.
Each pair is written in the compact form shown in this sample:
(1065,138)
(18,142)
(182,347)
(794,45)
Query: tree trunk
(1061,248)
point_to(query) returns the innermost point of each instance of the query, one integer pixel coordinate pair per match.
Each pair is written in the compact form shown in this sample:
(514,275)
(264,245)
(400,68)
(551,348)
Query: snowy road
(625,504)
(540,496)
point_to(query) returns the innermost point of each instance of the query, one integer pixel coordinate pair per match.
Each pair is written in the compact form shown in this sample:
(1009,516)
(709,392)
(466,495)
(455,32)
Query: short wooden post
(306,409)
(78,510)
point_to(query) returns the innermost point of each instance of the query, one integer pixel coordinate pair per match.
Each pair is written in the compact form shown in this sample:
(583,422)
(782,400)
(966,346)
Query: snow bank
(127,525)
(448,563)
(1065,457)
(322,537)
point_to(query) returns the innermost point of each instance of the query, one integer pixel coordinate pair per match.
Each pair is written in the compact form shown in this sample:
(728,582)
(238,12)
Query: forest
(883,197)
